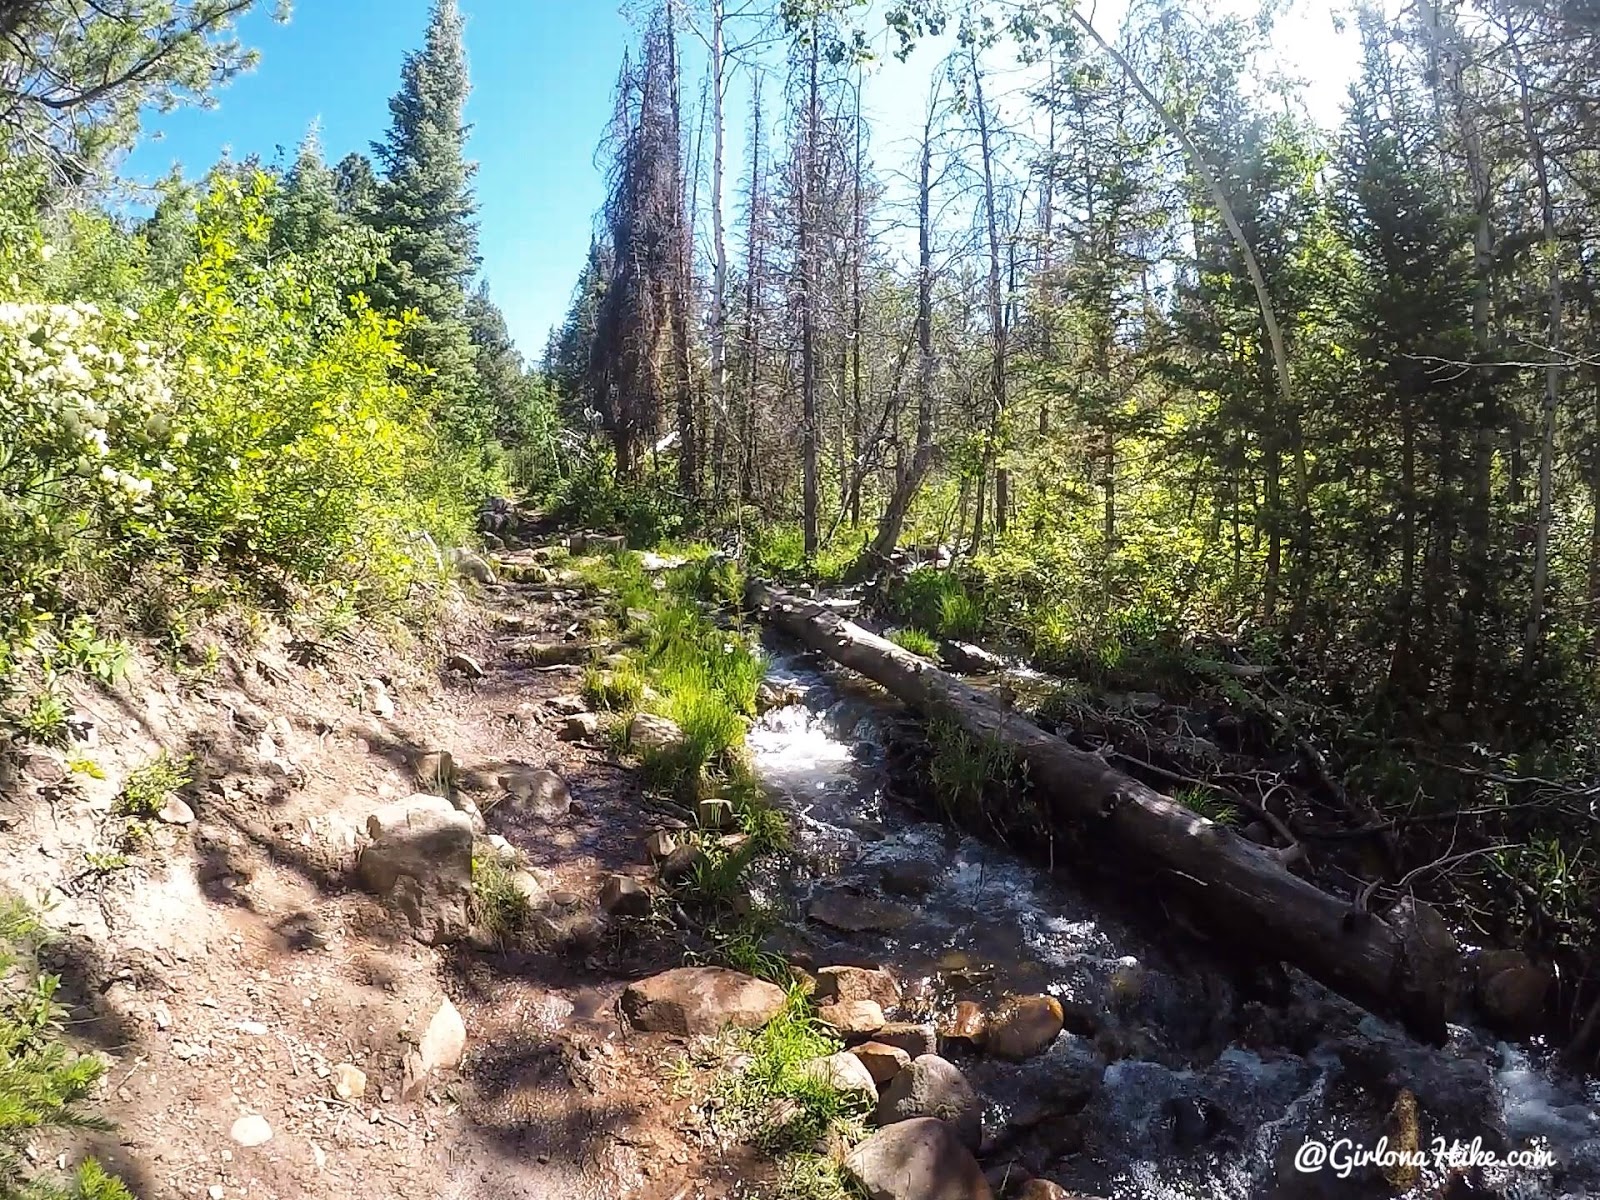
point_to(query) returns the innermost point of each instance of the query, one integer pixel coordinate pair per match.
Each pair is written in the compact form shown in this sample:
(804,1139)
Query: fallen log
(1404,964)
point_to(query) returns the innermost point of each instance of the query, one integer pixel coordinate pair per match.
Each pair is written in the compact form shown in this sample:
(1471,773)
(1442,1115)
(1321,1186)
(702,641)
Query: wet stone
(858,983)
(920,1159)
(1023,1027)
(915,1038)
(859,914)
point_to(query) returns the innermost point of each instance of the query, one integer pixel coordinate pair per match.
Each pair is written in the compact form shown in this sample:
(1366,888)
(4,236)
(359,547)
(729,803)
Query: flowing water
(1178,1076)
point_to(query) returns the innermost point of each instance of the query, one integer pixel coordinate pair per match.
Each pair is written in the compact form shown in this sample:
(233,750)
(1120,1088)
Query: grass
(146,790)
(616,690)
(501,906)
(937,603)
(1206,803)
(783,1109)
(915,640)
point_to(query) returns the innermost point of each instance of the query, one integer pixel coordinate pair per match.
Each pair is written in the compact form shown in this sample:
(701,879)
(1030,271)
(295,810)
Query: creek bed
(1177,1077)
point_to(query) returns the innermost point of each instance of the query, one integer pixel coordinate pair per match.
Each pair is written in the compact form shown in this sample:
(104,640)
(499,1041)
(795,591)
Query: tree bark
(1243,887)
(808,303)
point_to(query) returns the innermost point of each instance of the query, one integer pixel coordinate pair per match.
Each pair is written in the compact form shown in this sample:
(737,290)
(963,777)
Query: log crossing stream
(1172,1079)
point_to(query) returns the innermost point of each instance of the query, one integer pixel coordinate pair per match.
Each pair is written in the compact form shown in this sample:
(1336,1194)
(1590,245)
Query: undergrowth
(913,639)
(44,1086)
(501,906)
(147,788)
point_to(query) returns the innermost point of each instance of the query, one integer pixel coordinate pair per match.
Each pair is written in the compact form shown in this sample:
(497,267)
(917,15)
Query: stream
(1178,1075)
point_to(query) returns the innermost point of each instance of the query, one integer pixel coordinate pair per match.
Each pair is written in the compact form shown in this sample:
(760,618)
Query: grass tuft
(146,790)
(501,906)
(913,639)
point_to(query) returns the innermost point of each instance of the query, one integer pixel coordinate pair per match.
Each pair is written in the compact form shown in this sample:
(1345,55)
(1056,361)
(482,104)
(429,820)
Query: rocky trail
(288,983)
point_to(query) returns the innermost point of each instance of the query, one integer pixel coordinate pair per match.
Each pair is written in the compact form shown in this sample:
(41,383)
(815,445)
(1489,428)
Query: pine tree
(307,213)
(499,365)
(426,209)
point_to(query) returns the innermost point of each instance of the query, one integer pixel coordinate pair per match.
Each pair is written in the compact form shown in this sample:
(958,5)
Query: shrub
(43,1085)
(148,788)
(937,602)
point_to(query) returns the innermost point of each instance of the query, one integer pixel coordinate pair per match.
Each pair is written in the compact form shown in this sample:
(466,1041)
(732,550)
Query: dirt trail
(234,964)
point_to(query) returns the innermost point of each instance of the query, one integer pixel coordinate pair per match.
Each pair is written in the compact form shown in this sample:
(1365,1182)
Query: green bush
(44,1086)
(146,790)
(938,603)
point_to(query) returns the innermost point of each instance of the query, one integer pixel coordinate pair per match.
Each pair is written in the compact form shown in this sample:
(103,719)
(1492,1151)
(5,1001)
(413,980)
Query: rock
(420,860)
(434,769)
(770,695)
(1405,1138)
(933,1087)
(858,983)
(1024,1026)
(1432,960)
(649,733)
(915,1038)
(680,863)
(549,654)
(349,1082)
(251,1131)
(852,1018)
(568,704)
(695,1000)
(843,1073)
(660,844)
(715,814)
(527,886)
(609,544)
(966,1024)
(175,812)
(1512,991)
(1043,1189)
(542,794)
(968,659)
(444,1041)
(883,1062)
(911,877)
(919,1159)
(464,664)
(469,565)
(413,1076)
(581,727)
(623,896)
(858,914)
(569,932)
(1144,703)
(375,699)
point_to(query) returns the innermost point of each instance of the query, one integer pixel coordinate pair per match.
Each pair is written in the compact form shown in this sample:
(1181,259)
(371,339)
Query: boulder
(933,1087)
(541,794)
(858,983)
(883,1062)
(852,1018)
(625,897)
(649,733)
(920,1159)
(175,812)
(420,860)
(843,1073)
(605,544)
(695,1000)
(1023,1026)
(915,1038)
(568,704)
(854,913)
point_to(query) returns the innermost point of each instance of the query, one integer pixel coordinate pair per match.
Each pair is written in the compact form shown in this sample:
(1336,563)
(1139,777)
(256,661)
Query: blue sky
(543,73)
(542,77)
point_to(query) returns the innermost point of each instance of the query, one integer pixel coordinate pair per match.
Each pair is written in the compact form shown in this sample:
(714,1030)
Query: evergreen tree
(499,364)
(426,209)
(355,187)
(307,214)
